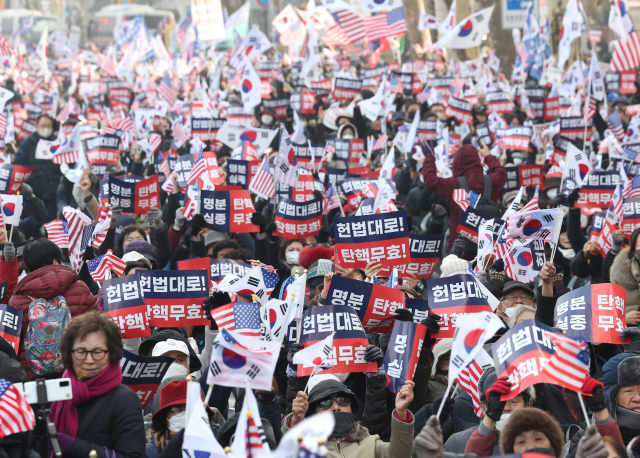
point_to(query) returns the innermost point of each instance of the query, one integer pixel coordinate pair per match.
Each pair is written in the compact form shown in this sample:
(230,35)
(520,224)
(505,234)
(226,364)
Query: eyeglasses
(341,400)
(178,409)
(97,353)
(629,392)
(524,298)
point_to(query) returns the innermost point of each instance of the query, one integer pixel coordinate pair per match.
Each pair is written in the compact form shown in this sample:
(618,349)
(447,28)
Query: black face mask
(344,423)
(544,451)
(638,253)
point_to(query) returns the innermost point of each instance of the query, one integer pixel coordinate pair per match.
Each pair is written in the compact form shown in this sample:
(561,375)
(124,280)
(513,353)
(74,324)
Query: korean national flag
(376,6)
(250,88)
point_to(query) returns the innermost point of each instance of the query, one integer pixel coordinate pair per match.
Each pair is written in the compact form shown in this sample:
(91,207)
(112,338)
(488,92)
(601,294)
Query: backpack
(48,319)
(485,204)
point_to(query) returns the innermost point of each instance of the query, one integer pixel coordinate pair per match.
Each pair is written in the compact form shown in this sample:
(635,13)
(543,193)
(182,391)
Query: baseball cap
(134,256)
(170,345)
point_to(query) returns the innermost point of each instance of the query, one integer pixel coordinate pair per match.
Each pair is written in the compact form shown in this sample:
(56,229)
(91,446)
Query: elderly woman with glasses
(103,415)
(514,293)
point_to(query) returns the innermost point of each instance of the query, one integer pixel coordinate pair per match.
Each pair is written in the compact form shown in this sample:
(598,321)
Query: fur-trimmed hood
(531,419)
(357,433)
(624,271)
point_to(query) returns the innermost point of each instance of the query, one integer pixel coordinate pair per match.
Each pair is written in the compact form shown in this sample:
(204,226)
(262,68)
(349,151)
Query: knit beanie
(453,265)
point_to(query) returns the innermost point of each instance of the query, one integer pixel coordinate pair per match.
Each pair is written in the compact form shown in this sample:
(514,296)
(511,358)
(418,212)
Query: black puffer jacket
(45,178)
(118,426)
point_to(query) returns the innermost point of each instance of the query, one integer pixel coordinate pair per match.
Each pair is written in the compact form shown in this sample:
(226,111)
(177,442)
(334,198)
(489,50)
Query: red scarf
(65,414)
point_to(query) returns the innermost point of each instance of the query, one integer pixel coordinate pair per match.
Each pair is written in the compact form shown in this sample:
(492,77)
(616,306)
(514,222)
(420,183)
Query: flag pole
(584,409)
(586,107)
(4,223)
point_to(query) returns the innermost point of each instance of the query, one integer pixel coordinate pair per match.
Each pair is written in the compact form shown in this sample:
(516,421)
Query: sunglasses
(341,400)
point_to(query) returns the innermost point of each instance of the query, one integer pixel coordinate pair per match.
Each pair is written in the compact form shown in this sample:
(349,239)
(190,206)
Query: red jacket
(9,272)
(465,163)
(47,283)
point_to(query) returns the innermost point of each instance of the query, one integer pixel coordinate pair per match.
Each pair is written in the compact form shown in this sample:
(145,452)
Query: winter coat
(626,273)
(457,442)
(117,426)
(358,443)
(47,283)
(466,163)
(9,272)
(45,178)
(607,427)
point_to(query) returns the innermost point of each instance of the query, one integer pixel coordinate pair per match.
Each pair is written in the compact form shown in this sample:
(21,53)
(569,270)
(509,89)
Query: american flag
(270,278)
(101,227)
(331,200)
(626,54)
(107,64)
(3,125)
(5,50)
(262,183)
(295,30)
(335,36)
(589,108)
(351,24)
(199,167)
(464,199)
(632,188)
(615,124)
(100,268)
(569,364)
(381,142)
(155,140)
(384,25)
(80,231)
(255,438)
(241,316)
(165,90)
(15,411)
(180,133)
(396,84)
(127,125)
(165,168)
(424,95)
(468,380)
(57,232)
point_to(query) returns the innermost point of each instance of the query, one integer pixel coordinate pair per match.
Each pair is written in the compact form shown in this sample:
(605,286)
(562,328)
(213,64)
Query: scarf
(65,413)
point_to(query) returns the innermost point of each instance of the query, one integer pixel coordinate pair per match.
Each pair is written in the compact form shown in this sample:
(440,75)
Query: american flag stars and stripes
(127,125)
(100,268)
(255,436)
(57,232)
(243,317)
(632,188)
(331,201)
(381,142)
(384,25)
(180,133)
(626,54)
(166,91)
(3,125)
(351,24)
(102,226)
(569,363)
(590,108)
(5,49)
(615,124)
(270,278)
(155,140)
(199,167)
(465,199)
(165,168)
(468,379)
(262,183)
(16,415)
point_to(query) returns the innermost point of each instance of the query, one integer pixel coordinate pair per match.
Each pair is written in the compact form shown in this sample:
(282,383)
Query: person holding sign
(349,438)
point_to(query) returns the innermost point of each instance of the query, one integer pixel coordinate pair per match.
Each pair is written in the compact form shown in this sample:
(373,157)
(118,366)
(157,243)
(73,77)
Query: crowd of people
(66,332)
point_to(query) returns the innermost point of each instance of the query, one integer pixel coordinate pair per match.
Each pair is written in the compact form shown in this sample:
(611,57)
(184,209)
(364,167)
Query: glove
(458,247)
(116,212)
(596,388)
(498,266)
(431,322)
(27,191)
(573,197)
(634,333)
(271,228)
(616,245)
(217,299)
(295,348)
(10,252)
(428,444)
(591,444)
(374,354)
(155,215)
(635,446)
(438,210)
(446,410)
(404,315)
(259,220)
(424,146)
(317,194)
(66,443)
(496,406)
(180,218)
(259,204)
(325,233)
(197,223)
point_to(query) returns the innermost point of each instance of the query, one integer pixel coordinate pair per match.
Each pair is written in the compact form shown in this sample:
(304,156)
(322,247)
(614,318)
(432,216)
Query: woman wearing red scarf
(103,415)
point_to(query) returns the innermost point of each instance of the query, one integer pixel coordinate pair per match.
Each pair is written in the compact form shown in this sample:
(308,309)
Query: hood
(440,349)
(47,282)
(610,379)
(623,269)
(467,162)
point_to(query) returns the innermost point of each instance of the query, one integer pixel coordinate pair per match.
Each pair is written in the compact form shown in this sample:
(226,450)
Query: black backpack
(485,204)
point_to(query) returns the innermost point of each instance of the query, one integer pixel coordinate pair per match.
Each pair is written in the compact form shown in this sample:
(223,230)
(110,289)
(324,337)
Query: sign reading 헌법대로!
(175,298)
(143,374)
(124,303)
(382,238)
(453,296)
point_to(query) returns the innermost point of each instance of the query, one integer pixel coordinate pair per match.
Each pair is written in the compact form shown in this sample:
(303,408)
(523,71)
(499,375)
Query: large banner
(349,341)
(124,303)
(403,351)
(297,220)
(228,211)
(375,304)
(594,312)
(524,175)
(134,197)
(382,238)
(453,296)
(175,298)
(597,189)
(425,253)
(143,374)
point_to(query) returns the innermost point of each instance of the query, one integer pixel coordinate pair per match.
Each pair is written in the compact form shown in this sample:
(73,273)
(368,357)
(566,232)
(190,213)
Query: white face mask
(503,419)
(347,137)
(178,421)
(509,311)
(175,369)
(266,119)
(292,257)
(44,133)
